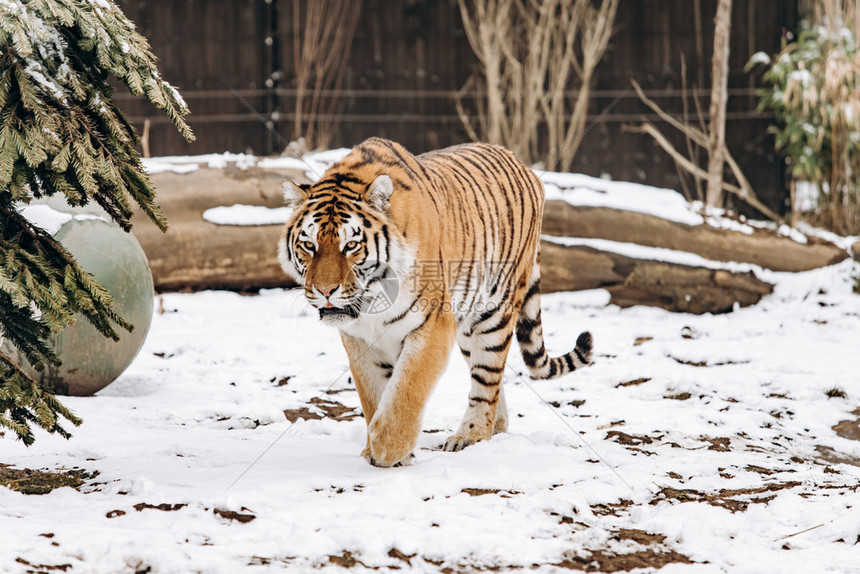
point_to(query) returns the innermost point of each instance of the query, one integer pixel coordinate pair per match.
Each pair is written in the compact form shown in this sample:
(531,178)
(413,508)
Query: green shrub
(812,92)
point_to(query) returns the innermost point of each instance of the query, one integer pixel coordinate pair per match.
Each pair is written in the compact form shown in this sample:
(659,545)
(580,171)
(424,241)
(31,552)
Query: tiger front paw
(366,451)
(390,443)
(468,435)
(459,441)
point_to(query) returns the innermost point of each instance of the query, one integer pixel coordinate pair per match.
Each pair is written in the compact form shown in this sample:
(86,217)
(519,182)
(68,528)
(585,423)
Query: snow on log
(196,254)
(632,281)
(763,247)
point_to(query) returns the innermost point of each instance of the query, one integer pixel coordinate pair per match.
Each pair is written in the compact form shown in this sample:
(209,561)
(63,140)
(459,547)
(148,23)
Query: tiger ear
(379,193)
(294,193)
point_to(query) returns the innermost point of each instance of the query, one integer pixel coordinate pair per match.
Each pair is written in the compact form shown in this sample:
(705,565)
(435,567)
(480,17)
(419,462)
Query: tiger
(457,232)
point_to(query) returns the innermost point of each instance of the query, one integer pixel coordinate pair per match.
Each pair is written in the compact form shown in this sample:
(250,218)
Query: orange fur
(459,229)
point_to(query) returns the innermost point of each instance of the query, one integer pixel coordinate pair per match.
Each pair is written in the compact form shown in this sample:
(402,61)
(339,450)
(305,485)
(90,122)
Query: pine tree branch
(60,132)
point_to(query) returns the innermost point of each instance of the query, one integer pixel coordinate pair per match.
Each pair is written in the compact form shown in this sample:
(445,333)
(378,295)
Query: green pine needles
(61,133)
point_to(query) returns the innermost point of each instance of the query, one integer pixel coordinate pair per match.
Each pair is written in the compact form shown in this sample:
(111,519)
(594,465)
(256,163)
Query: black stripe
(387,369)
(531,358)
(484,316)
(495,162)
(501,346)
(479,379)
(368,156)
(499,326)
(426,318)
(525,326)
(579,356)
(492,207)
(483,400)
(569,360)
(495,370)
(387,243)
(393,149)
(409,308)
(535,288)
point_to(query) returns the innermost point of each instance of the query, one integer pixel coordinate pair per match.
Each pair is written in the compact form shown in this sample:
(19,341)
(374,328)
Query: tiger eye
(351,245)
(308,245)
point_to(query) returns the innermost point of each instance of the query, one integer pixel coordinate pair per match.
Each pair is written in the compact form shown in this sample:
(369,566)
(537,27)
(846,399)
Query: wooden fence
(233,62)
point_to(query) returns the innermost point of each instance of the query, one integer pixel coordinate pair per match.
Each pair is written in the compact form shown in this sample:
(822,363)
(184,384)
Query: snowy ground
(695,443)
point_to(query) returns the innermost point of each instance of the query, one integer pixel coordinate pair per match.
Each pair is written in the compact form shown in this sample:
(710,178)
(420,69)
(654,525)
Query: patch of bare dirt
(630,439)
(611,508)
(397,554)
(345,560)
(601,561)
(483,491)
(639,536)
(329,409)
(690,363)
(280,381)
(849,429)
(164,507)
(243,517)
(29,481)
(833,456)
(719,444)
(634,382)
(734,500)
(759,469)
(653,556)
(43,567)
(705,363)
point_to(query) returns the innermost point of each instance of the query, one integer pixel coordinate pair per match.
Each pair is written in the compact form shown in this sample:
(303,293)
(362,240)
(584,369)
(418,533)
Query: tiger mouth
(338,311)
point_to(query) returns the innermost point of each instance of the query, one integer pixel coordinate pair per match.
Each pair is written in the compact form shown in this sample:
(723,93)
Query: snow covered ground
(692,438)
(694,443)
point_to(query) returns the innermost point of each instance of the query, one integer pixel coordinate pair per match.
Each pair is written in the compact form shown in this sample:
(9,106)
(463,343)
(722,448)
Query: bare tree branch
(695,170)
(527,50)
(697,136)
(321,46)
(719,97)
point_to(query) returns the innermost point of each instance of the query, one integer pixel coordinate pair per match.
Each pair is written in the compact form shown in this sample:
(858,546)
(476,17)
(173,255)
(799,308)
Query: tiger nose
(327,291)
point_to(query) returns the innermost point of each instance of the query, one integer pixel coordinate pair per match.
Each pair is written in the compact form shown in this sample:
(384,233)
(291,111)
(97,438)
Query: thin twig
(744,191)
(801,532)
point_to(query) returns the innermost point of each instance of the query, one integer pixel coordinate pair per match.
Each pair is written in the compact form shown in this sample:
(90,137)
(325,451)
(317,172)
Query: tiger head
(341,246)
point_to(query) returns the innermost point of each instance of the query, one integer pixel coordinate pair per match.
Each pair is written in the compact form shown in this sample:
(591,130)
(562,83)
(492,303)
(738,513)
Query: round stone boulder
(90,361)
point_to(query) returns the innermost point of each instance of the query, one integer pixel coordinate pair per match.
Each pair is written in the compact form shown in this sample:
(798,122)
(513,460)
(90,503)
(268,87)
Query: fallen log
(195,254)
(633,281)
(763,247)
